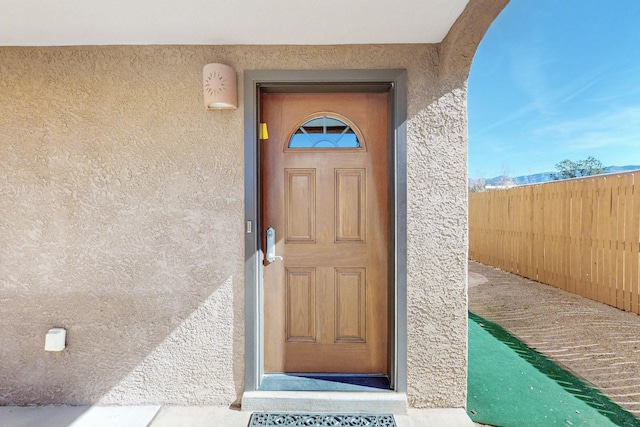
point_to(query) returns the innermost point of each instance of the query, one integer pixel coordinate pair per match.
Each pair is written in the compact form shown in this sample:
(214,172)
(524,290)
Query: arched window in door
(326,130)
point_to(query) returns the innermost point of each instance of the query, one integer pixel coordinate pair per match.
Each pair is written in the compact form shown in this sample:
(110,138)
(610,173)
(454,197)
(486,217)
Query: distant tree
(568,169)
(477,185)
(505,181)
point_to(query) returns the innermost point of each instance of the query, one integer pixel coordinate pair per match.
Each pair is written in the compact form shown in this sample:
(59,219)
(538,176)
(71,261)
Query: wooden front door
(324,194)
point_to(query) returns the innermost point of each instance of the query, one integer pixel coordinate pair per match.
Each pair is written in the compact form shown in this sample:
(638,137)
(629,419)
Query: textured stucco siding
(437,252)
(121,219)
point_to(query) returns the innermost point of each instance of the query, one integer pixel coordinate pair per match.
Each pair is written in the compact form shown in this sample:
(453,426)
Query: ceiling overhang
(225,22)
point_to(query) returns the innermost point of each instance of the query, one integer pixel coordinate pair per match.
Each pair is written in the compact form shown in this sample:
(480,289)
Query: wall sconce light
(220,87)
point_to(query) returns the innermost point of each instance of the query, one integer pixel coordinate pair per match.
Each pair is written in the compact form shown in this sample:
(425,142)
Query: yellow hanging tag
(264,133)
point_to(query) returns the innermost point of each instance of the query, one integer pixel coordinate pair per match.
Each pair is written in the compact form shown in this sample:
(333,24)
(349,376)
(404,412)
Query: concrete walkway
(183,416)
(598,343)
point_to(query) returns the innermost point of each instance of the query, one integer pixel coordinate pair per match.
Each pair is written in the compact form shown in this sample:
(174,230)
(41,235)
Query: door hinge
(264,133)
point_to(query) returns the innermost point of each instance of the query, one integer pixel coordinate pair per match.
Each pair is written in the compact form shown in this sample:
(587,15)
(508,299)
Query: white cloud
(544,104)
(617,127)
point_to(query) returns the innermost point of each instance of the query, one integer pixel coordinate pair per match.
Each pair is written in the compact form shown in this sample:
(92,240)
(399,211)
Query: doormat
(266,419)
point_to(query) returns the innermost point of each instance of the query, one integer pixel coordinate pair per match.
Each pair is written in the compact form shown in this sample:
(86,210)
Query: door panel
(326,301)
(351,305)
(301,303)
(351,202)
(300,201)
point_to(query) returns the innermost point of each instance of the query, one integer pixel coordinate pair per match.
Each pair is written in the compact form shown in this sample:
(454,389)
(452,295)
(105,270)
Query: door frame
(392,81)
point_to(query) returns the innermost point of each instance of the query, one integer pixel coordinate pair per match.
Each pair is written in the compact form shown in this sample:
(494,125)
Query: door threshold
(326,382)
(325,401)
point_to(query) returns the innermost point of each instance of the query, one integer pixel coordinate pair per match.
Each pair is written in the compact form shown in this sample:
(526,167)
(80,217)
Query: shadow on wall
(120,220)
(196,349)
(133,352)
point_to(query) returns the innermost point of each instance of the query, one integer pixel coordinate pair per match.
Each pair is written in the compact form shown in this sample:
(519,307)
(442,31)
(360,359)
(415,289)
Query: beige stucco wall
(121,219)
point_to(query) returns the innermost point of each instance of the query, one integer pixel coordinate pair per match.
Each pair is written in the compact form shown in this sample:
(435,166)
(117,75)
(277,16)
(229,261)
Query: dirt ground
(598,343)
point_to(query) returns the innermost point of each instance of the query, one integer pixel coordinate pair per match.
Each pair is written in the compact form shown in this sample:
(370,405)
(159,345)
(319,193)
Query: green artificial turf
(510,384)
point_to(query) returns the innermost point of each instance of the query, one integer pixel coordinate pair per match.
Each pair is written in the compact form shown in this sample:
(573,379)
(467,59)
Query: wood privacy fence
(580,235)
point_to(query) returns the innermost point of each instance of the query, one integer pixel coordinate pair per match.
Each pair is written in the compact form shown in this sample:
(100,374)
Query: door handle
(271,245)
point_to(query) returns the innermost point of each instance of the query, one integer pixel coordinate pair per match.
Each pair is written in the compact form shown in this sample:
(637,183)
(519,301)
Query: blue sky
(555,80)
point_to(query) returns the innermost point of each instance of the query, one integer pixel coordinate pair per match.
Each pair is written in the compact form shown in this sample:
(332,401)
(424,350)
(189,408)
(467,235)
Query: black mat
(325,382)
(267,419)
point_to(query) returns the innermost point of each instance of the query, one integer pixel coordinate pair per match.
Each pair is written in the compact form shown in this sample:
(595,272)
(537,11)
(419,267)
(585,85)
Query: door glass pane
(324,132)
